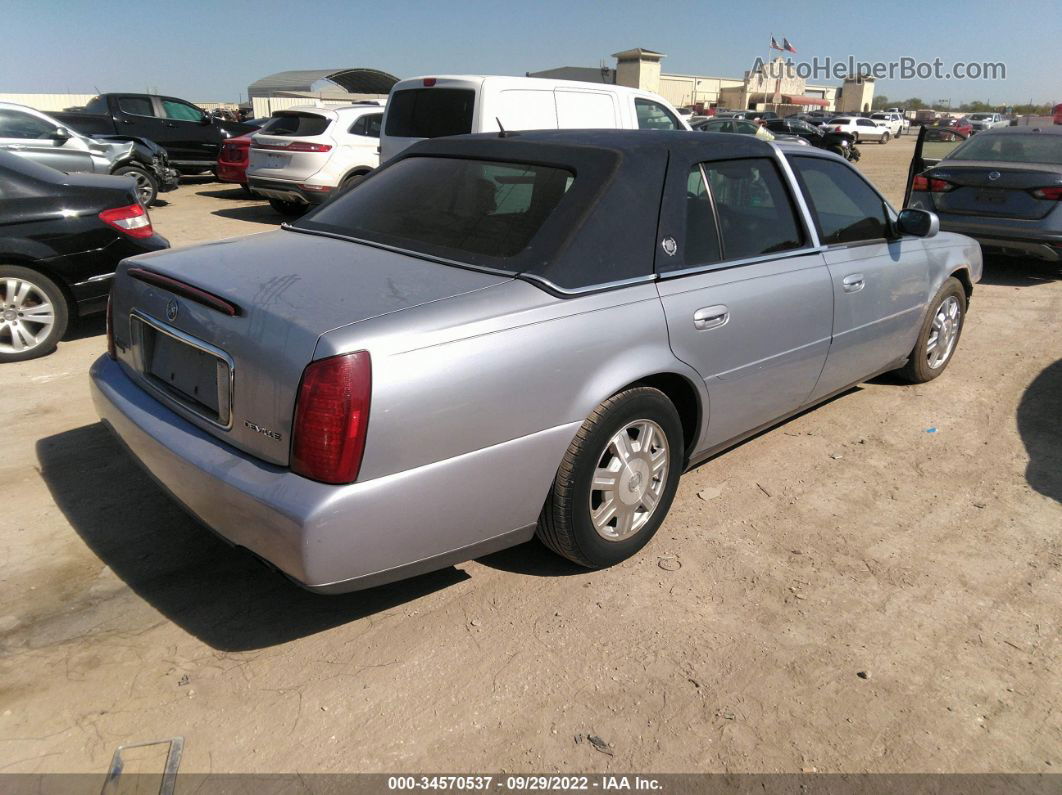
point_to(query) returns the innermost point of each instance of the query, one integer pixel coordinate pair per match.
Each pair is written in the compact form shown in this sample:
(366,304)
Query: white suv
(892,121)
(303,155)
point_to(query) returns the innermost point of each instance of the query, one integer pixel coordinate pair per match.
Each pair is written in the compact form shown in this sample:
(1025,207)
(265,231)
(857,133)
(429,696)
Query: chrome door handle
(711,317)
(853,283)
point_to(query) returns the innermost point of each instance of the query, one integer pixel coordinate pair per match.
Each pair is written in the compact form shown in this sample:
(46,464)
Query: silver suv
(303,155)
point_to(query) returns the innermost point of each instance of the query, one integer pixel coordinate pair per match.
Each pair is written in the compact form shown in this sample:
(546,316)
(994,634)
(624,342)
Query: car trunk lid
(236,375)
(995,189)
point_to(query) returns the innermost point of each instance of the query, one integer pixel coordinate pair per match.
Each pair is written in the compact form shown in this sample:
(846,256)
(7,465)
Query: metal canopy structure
(358,80)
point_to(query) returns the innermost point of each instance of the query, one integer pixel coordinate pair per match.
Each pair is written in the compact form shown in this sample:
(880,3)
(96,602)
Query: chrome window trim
(225,406)
(100,278)
(740,263)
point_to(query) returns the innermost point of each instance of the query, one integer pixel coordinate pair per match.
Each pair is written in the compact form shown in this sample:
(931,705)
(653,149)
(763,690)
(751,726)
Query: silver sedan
(498,337)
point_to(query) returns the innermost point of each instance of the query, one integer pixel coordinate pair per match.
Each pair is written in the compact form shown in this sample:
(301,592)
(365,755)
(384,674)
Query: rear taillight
(838,128)
(112,351)
(1053,193)
(429,82)
(331,417)
(296,146)
(930,184)
(315,188)
(230,153)
(131,220)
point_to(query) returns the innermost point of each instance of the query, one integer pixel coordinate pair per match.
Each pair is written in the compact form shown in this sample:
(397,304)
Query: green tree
(880,101)
(914,103)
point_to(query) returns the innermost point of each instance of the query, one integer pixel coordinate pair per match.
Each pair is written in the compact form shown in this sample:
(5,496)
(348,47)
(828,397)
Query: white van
(431,107)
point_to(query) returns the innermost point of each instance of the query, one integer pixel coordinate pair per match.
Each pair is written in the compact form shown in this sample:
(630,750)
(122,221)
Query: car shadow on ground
(1018,272)
(228,192)
(1039,425)
(219,594)
(532,559)
(255,213)
(91,326)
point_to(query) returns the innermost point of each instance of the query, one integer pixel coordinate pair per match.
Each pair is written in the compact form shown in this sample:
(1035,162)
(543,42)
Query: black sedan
(61,238)
(840,143)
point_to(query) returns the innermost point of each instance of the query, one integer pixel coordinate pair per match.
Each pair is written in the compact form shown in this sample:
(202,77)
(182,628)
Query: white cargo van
(431,107)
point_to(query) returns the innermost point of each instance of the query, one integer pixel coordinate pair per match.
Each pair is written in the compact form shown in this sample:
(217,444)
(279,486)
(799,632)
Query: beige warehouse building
(780,87)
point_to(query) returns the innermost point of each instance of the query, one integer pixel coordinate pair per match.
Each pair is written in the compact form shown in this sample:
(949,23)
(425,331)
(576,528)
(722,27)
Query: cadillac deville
(497,337)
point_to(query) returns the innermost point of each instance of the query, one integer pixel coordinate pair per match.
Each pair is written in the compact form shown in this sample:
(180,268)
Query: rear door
(880,282)
(136,114)
(433,109)
(190,133)
(746,295)
(30,136)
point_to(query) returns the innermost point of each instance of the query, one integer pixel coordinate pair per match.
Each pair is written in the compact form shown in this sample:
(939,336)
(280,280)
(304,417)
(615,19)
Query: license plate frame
(195,375)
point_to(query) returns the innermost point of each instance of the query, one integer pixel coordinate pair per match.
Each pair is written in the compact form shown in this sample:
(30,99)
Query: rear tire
(939,335)
(27,328)
(617,480)
(147,188)
(288,209)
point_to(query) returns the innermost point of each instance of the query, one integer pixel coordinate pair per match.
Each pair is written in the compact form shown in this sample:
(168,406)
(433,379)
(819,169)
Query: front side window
(16,124)
(181,111)
(372,125)
(755,213)
(136,106)
(846,209)
(430,112)
(449,207)
(654,116)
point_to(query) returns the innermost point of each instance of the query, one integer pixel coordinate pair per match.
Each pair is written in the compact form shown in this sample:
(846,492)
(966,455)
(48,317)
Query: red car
(1058,114)
(959,125)
(232,160)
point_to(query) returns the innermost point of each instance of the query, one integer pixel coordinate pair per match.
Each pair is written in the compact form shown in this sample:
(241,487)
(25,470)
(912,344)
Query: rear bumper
(1041,245)
(231,172)
(287,191)
(334,539)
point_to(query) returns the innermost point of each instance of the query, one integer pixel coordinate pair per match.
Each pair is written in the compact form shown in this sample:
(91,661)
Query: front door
(880,281)
(748,302)
(190,134)
(30,136)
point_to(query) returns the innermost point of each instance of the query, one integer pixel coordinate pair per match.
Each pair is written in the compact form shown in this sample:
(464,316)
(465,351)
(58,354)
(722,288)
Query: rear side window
(845,208)
(368,125)
(296,125)
(654,116)
(702,234)
(755,212)
(136,106)
(449,207)
(430,112)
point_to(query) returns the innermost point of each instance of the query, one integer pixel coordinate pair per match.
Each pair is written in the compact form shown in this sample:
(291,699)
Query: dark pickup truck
(192,138)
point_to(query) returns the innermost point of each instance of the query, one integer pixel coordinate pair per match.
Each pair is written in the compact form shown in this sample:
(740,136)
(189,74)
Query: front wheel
(147,189)
(617,480)
(33,314)
(288,209)
(884,138)
(939,335)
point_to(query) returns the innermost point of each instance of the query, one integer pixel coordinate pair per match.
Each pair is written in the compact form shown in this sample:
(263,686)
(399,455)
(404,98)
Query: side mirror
(205,120)
(61,134)
(919,223)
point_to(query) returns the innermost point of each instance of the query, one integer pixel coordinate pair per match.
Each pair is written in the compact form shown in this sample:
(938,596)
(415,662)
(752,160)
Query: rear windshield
(430,112)
(296,125)
(1012,148)
(469,210)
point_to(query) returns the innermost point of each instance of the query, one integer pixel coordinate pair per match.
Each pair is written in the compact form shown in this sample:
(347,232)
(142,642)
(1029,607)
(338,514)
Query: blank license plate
(276,161)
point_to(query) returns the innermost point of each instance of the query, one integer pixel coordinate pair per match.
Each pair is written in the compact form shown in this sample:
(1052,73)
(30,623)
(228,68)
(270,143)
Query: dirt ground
(875,585)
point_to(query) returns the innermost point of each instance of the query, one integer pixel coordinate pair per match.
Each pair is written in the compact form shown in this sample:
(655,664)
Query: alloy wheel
(26,316)
(629,480)
(944,332)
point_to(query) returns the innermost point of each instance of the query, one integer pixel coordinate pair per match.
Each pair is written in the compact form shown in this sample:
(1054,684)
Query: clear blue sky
(206,51)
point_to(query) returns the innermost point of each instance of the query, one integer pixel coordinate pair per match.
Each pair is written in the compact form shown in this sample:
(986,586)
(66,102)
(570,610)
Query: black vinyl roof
(604,229)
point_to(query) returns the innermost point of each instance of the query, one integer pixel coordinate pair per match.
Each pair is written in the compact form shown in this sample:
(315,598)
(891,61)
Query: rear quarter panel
(444,385)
